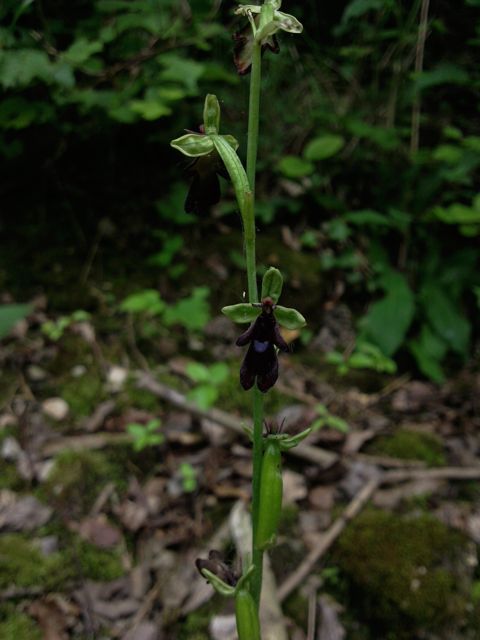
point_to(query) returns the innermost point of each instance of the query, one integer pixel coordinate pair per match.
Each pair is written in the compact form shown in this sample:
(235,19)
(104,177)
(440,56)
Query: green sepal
(289,318)
(245,9)
(272,284)
(276,4)
(288,23)
(248,431)
(242,312)
(219,585)
(193,145)
(211,114)
(292,441)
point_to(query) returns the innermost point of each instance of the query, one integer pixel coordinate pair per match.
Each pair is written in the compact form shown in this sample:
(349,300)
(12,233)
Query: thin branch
(419,56)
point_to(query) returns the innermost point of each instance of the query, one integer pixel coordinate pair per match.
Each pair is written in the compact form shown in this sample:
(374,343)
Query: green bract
(271,20)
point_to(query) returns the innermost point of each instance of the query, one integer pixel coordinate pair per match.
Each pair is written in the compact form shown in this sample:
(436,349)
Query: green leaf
(289,318)
(358,8)
(367,217)
(241,313)
(323,147)
(272,284)
(429,350)
(81,50)
(445,73)
(193,312)
(219,372)
(144,301)
(446,317)
(295,167)
(198,372)
(458,214)
(10,314)
(182,71)
(389,319)
(204,396)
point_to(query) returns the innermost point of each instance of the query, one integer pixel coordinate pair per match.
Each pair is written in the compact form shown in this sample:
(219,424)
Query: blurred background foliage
(369,159)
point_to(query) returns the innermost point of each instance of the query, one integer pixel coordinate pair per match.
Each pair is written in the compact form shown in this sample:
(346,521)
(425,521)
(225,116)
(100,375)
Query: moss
(195,626)
(400,570)
(76,479)
(15,625)
(9,478)
(83,394)
(410,445)
(23,565)
(96,564)
(296,608)
(132,397)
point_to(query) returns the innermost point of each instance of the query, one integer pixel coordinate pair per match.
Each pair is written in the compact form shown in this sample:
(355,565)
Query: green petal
(289,318)
(193,145)
(242,312)
(272,284)
(245,9)
(211,114)
(219,585)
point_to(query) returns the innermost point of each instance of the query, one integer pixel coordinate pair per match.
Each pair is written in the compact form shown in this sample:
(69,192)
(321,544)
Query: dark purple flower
(243,46)
(216,565)
(261,362)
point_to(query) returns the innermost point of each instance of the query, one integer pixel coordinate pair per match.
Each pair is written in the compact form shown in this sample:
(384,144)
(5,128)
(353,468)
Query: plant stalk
(253,128)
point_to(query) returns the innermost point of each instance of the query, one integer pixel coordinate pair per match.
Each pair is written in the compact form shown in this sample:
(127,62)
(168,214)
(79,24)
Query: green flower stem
(254,114)
(253,128)
(257,554)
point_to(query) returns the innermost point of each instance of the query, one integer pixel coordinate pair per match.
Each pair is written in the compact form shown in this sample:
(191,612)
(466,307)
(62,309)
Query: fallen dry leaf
(21,513)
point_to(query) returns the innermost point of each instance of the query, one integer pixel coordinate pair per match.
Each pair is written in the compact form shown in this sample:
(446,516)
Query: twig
(442,473)
(358,503)
(80,443)
(419,55)
(146,381)
(352,510)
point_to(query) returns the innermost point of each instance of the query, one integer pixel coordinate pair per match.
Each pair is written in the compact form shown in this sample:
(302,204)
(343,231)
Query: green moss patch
(410,445)
(401,572)
(15,625)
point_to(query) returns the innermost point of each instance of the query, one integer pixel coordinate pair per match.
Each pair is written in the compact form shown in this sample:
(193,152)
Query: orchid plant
(213,154)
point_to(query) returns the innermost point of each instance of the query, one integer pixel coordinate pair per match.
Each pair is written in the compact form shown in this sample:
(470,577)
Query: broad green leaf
(150,109)
(458,214)
(295,167)
(241,313)
(289,318)
(218,373)
(448,153)
(10,314)
(323,147)
(148,301)
(385,138)
(429,350)
(358,8)
(445,73)
(272,284)
(81,50)
(181,71)
(204,396)
(446,317)
(198,372)
(19,67)
(193,312)
(389,319)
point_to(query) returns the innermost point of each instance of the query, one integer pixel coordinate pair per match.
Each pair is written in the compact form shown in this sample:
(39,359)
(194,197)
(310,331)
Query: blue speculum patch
(260,347)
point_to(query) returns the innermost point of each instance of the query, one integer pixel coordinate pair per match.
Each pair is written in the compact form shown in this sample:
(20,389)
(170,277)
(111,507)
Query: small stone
(55,408)
(36,373)
(78,371)
(116,378)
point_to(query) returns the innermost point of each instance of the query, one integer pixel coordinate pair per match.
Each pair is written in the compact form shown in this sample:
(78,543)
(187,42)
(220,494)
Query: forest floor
(123,459)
